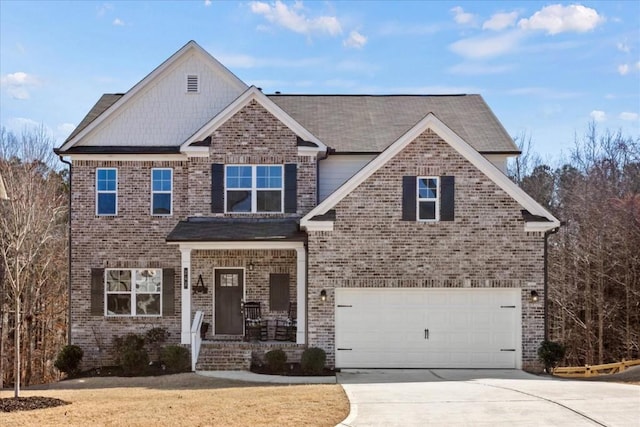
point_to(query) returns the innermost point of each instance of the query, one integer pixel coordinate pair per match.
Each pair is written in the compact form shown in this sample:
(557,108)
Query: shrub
(313,361)
(276,360)
(550,353)
(131,354)
(176,358)
(68,360)
(155,337)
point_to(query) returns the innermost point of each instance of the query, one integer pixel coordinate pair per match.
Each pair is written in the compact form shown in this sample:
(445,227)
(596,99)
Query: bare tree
(32,236)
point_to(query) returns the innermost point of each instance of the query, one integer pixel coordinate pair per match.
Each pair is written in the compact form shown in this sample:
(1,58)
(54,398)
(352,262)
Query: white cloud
(292,19)
(403,29)
(500,21)
(471,68)
(629,116)
(461,17)
(557,19)
(65,129)
(247,61)
(207,3)
(487,47)
(623,47)
(18,84)
(118,22)
(355,40)
(638,65)
(598,116)
(104,8)
(623,69)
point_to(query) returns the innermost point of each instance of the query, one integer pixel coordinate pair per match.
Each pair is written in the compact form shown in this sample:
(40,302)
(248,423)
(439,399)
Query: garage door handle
(426,334)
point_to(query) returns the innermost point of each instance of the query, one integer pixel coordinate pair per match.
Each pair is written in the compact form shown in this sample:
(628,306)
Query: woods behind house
(594,259)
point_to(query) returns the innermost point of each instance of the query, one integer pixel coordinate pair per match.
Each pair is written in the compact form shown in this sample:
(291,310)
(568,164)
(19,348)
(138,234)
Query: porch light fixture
(323,295)
(534,296)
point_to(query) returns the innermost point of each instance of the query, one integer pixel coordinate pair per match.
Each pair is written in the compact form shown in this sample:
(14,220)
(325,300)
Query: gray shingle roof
(105,101)
(201,229)
(370,123)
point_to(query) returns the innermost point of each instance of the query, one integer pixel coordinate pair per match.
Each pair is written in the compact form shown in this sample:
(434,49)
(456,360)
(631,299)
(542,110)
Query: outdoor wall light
(250,266)
(323,295)
(534,296)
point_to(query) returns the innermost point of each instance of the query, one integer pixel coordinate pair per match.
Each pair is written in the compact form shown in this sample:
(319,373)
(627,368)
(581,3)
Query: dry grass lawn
(183,399)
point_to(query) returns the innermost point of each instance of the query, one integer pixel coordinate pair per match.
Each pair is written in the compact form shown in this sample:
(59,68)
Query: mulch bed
(11,404)
(291,370)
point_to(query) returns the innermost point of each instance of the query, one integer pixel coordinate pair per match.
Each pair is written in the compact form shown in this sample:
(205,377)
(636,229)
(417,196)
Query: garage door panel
(466,327)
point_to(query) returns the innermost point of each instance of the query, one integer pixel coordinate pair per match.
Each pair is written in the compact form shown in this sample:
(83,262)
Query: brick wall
(372,247)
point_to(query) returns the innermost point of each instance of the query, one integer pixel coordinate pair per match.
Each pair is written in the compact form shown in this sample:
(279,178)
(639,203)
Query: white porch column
(185,336)
(301,291)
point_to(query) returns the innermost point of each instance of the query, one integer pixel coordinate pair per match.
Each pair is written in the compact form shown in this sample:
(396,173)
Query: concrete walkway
(440,397)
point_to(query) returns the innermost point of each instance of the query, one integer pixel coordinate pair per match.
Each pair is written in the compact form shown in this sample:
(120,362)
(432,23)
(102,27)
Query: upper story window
(428,199)
(254,189)
(161,191)
(193,83)
(106,191)
(133,292)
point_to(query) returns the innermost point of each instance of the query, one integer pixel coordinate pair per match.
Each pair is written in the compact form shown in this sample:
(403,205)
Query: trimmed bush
(550,354)
(313,361)
(131,354)
(276,360)
(69,359)
(154,338)
(176,358)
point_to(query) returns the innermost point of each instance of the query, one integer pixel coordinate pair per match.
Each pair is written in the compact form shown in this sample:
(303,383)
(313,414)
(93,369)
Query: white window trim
(254,190)
(186,83)
(132,293)
(170,192)
(106,192)
(428,199)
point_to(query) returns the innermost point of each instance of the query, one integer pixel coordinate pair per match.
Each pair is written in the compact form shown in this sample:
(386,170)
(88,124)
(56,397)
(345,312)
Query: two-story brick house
(387,222)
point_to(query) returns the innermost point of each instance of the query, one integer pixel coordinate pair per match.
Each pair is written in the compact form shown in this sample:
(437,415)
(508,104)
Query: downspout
(69,251)
(546,278)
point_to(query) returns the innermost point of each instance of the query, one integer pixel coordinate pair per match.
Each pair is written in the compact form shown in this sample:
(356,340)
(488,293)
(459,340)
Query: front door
(229,289)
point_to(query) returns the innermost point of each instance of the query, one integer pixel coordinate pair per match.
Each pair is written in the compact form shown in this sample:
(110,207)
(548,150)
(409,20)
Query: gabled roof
(371,123)
(253,94)
(456,142)
(109,104)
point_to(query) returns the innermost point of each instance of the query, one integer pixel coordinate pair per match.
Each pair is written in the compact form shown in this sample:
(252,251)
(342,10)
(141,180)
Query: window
(254,188)
(133,292)
(428,190)
(106,191)
(161,191)
(192,83)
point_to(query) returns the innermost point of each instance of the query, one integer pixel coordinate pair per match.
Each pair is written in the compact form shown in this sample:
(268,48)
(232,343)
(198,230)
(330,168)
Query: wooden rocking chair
(286,328)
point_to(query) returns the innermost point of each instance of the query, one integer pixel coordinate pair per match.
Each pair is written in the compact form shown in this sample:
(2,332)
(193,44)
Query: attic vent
(192,83)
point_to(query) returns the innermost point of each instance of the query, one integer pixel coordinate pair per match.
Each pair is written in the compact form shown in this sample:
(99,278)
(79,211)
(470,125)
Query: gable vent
(192,83)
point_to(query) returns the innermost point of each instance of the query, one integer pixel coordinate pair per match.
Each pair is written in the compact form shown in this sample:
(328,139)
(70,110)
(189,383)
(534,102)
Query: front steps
(236,355)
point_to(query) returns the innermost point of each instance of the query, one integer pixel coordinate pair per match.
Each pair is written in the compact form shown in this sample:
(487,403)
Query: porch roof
(200,229)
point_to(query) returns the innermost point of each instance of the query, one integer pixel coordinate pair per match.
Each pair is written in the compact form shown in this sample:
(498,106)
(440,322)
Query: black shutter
(409,198)
(278,292)
(447,198)
(291,188)
(168,296)
(97,291)
(217,188)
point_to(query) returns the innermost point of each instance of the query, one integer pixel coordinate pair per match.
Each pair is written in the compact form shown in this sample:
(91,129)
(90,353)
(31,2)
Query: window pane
(428,188)
(269,176)
(162,204)
(162,180)
(427,210)
(118,280)
(148,304)
(269,201)
(238,176)
(238,201)
(106,203)
(148,281)
(106,180)
(118,304)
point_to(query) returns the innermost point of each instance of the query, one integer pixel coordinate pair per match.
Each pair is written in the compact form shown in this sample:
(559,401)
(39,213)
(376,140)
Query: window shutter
(97,291)
(447,198)
(409,198)
(168,298)
(290,188)
(278,292)
(217,188)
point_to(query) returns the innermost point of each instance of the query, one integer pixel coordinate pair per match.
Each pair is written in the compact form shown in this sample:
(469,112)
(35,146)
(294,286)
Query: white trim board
(430,121)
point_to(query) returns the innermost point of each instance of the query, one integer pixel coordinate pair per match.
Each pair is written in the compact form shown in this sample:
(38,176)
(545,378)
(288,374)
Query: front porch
(237,355)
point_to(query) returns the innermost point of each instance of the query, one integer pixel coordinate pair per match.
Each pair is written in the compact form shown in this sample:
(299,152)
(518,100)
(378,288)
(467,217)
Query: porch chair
(255,327)
(286,328)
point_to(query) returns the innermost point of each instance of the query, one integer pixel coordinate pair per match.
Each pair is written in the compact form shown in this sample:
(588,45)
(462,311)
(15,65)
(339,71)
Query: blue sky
(545,68)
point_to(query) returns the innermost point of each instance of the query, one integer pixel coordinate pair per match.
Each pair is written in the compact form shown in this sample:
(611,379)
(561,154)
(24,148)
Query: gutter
(546,277)
(69,250)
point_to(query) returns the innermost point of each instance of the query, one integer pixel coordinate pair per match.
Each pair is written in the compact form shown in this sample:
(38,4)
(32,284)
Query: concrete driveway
(447,397)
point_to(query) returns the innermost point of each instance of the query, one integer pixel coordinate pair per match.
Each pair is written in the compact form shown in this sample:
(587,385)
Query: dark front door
(229,284)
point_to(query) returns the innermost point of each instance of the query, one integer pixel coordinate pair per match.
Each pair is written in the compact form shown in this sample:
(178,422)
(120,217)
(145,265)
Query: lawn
(183,399)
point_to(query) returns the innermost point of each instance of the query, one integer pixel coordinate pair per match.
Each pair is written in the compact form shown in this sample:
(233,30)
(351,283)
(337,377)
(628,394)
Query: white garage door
(428,328)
